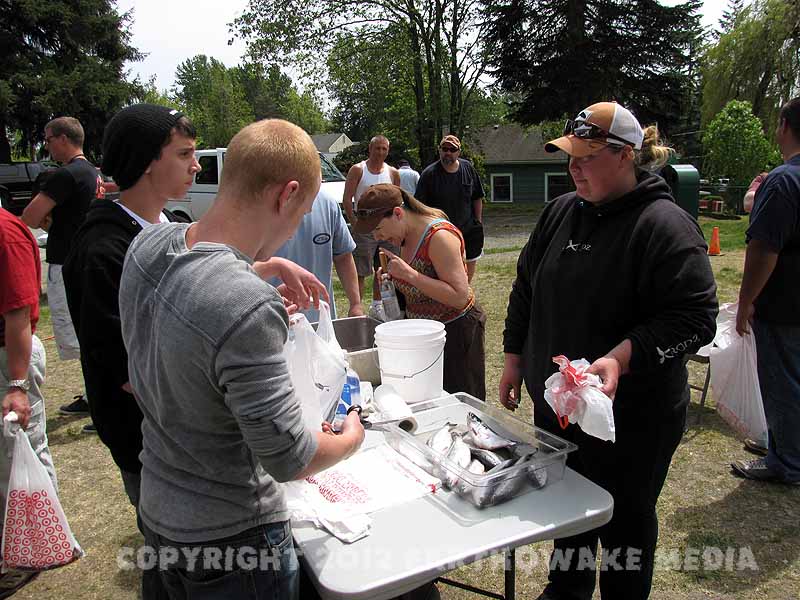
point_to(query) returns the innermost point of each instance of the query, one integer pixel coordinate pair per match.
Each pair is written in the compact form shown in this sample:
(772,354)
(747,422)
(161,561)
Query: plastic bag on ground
(734,377)
(575,396)
(36,535)
(317,366)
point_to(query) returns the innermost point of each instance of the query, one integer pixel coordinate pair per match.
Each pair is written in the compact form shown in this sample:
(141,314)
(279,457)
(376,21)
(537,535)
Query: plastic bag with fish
(575,397)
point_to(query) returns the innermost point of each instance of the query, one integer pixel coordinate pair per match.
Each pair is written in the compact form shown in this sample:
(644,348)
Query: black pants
(464,355)
(633,471)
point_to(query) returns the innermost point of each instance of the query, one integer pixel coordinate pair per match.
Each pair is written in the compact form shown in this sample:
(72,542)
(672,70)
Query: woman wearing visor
(432,275)
(615,273)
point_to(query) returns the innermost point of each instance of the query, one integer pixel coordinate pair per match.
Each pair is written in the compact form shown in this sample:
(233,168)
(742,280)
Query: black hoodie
(591,276)
(92,273)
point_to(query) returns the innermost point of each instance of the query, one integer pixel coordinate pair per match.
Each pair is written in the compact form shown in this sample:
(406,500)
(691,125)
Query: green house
(517,167)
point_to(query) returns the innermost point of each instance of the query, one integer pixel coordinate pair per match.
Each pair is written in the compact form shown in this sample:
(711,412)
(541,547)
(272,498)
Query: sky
(170,31)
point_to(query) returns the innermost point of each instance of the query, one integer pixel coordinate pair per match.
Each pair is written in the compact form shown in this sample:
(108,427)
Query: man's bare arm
(350,186)
(18,339)
(41,206)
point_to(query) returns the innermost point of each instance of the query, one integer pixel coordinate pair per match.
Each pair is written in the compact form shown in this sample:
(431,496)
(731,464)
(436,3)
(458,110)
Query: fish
(483,436)
(458,454)
(497,490)
(487,458)
(476,467)
(441,441)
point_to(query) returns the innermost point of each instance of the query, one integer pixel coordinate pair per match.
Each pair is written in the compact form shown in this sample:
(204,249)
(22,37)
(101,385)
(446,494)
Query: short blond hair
(266,153)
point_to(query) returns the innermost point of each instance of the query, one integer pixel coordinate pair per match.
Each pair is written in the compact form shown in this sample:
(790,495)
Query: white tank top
(368,179)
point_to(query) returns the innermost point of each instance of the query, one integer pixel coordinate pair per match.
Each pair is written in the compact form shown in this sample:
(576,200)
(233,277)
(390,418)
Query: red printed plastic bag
(36,535)
(575,397)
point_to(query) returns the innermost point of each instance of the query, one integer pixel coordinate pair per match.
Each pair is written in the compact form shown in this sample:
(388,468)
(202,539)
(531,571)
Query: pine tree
(559,56)
(728,19)
(62,57)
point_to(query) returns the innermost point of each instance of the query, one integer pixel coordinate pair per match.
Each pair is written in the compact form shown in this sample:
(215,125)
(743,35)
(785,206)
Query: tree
(560,56)
(758,61)
(151,95)
(735,145)
(729,16)
(214,99)
(442,37)
(267,90)
(372,87)
(303,109)
(62,57)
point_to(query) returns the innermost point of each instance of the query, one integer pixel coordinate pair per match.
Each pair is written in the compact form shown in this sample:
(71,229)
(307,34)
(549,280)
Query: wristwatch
(22,384)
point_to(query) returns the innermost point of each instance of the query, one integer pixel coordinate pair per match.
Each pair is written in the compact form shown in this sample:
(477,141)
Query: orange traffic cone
(713,247)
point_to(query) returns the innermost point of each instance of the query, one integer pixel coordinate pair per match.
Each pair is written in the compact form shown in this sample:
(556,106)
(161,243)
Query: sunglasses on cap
(589,131)
(450,149)
(365,213)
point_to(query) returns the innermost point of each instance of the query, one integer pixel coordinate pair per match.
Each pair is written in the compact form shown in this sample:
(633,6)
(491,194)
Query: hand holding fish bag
(575,397)
(36,535)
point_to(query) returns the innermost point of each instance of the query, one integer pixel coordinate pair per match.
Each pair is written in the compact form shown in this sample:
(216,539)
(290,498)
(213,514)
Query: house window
(502,187)
(209,174)
(555,185)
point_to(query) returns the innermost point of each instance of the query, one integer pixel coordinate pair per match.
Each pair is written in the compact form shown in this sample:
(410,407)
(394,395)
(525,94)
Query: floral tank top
(418,305)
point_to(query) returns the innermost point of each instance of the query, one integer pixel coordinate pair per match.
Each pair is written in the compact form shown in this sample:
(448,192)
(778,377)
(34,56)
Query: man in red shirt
(22,357)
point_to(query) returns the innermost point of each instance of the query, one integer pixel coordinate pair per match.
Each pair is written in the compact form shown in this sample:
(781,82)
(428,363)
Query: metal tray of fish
(482,454)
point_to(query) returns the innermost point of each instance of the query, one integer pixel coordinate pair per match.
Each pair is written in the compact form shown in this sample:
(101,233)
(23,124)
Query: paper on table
(340,498)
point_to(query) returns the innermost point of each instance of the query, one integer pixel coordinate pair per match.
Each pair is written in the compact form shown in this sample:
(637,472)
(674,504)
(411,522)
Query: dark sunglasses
(451,149)
(589,131)
(365,213)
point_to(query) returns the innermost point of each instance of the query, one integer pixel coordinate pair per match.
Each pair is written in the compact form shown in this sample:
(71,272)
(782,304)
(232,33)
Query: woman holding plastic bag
(615,273)
(432,275)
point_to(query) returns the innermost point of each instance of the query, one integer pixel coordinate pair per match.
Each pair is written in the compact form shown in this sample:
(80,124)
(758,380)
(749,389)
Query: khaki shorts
(366,253)
(63,330)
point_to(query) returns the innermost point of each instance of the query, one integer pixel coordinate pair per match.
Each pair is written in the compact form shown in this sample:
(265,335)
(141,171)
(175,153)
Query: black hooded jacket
(92,273)
(591,276)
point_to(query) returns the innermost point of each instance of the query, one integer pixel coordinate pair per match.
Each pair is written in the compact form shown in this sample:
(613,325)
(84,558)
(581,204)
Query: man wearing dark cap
(149,150)
(64,197)
(452,184)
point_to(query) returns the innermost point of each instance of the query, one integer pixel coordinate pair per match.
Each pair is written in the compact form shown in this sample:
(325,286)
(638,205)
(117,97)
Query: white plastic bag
(36,535)
(575,396)
(734,377)
(317,366)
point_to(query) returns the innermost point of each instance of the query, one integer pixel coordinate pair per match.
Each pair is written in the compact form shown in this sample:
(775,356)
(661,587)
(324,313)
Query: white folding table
(416,542)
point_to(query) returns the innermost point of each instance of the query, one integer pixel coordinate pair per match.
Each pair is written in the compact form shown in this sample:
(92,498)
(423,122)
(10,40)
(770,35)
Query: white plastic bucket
(411,355)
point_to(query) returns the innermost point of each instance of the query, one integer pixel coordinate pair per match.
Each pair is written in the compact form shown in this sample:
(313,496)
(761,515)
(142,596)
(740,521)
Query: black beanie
(133,139)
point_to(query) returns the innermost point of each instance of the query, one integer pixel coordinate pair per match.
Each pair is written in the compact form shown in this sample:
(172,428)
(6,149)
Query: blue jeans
(259,563)
(778,348)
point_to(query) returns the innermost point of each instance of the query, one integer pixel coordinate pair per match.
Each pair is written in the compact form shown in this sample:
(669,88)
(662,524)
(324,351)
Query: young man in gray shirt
(205,338)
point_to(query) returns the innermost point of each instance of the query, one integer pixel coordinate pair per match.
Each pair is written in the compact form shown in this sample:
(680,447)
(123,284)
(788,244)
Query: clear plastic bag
(36,535)
(575,397)
(734,377)
(317,366)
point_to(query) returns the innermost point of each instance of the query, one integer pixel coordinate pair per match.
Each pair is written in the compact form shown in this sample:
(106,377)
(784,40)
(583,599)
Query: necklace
(79,155)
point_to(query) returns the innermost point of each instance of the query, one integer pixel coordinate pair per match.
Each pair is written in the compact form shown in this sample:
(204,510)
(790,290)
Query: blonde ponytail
(654,153)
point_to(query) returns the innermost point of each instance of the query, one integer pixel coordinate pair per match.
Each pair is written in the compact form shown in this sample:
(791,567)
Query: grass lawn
(703,508)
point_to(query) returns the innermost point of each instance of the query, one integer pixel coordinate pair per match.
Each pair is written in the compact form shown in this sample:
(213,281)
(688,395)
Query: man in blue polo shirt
(321,242)
(769,301)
